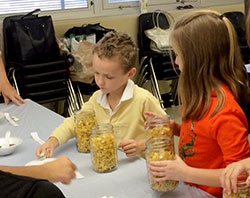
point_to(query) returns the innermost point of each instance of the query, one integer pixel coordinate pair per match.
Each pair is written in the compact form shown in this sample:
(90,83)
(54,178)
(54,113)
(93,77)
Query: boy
(119,101)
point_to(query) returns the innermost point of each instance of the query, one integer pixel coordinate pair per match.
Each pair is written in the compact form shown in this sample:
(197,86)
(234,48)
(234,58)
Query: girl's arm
(208,177)
(176,128)
(179,171)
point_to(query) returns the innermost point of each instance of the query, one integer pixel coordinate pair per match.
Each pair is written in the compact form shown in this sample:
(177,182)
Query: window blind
(122,1)
(18,6)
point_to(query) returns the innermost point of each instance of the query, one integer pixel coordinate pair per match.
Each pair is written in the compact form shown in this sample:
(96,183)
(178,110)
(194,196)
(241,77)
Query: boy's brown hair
(118,45)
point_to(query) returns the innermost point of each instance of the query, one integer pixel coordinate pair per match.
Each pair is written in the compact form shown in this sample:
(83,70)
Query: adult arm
(8,92)
(61,170)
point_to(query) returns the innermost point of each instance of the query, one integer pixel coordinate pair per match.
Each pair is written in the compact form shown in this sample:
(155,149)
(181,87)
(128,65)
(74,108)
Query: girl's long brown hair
(207,45)
(248,25)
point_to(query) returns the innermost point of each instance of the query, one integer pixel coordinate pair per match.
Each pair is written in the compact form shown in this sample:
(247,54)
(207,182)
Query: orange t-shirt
(213,143)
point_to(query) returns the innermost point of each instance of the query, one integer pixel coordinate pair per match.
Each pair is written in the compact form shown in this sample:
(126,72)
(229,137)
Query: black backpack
(238,21)
(96,29)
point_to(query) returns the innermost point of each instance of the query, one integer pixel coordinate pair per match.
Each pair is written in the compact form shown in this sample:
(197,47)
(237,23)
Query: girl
(230,174)
(212,92)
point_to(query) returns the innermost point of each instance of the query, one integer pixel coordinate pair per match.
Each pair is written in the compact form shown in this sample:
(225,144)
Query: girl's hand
(47,149)
(168,169)
(154,115)
(175,125)
(132,148)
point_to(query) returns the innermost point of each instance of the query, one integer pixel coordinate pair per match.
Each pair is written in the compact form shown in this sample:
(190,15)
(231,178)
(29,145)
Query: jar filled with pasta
(158,127)
(243,190)
(103,148)
(160,149)
(84,121)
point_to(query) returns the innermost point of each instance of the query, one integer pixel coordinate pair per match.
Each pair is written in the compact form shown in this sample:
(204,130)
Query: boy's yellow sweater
(128,121)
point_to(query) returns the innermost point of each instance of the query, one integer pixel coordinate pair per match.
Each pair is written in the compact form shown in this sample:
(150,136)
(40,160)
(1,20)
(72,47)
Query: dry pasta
(104,154)
(243,190)
(240,194)
(163,186)
(159,131)
(83,132)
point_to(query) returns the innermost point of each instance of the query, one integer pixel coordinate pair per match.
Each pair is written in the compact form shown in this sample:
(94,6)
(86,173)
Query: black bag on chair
(34,37)
(96,29)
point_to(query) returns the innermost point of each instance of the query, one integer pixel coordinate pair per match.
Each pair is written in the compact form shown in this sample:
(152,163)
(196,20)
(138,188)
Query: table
(130,180)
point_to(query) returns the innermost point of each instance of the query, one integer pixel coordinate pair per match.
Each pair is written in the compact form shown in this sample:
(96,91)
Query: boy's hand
(61,170)
(47,149)
(132,148)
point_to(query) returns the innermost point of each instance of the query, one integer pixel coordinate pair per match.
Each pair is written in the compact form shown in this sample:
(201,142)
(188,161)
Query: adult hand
(47,149)
(61,170)
(168,169)
(8,92)
(231,172)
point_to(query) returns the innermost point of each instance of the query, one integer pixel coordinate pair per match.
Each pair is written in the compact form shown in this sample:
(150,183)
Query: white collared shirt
(127,94)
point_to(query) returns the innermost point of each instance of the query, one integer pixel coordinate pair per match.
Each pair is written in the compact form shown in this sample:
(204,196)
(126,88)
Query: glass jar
(159,127)
(243,189)
(160,149)
(103,148)
(84,121)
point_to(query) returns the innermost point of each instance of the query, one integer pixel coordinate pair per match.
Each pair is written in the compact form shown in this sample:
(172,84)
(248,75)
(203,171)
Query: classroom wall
(129,24)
